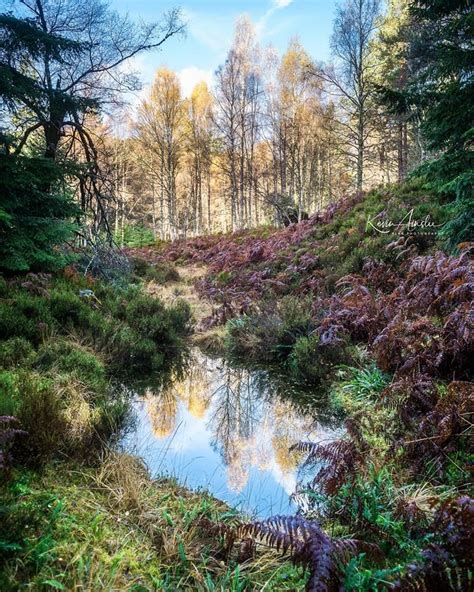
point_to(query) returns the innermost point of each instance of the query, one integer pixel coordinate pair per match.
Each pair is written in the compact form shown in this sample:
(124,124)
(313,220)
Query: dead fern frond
(310,546)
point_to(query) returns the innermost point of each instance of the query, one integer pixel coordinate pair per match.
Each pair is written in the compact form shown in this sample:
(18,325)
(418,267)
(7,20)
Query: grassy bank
(68,346)
(72,526)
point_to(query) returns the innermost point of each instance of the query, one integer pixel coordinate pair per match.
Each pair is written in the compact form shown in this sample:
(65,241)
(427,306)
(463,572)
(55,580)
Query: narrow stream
(226,430)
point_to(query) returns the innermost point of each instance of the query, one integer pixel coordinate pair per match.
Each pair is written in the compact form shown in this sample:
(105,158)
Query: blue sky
(210,31)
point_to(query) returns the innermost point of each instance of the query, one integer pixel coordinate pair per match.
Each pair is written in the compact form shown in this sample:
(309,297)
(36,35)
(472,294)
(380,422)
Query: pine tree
(35,211)
(33,221)
(443,87)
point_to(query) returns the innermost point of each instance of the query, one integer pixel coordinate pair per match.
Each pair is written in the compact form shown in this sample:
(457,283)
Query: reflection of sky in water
(224,430)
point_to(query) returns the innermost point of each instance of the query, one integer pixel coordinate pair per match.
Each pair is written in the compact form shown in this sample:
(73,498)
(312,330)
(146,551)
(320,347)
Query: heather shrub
(23,315)
(126,323)
(144,356)
(136,332)
(149,317)
(92,323)
(269,335)
(312,361)
(67,307)
(160,273)
(141,308)
(75,315)
(64,356)
(65,347)
(180,317)
(253,336)
(140,266)
(16,351)
(131,355)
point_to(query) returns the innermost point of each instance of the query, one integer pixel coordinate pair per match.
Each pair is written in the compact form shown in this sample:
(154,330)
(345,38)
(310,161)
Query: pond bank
(383,323)
(109,527)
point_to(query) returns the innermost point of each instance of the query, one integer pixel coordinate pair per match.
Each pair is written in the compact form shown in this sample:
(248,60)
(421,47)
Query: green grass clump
(285,335)
(60,413)
(310,361)
(68,345)
(358,387)
(34,401)
(67,357)
(270,335)
(131,330)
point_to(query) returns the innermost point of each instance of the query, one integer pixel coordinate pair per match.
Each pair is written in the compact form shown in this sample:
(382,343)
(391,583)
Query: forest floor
(77,514)
(377,327)
(183,287)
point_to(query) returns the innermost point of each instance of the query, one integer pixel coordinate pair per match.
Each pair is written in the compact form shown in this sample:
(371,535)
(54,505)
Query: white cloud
(190,76)
(262,23)
(213,32)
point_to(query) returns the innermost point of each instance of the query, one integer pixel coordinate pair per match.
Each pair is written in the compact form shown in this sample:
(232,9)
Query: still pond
(228,430)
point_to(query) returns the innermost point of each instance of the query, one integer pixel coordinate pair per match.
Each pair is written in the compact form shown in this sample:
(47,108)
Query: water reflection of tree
(192,389)
(162,411)
(252,426)
(236,410)
(252,418)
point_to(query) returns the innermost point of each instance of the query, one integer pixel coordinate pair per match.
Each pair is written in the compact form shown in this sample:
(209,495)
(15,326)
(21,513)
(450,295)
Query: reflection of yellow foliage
(286,461)
(197,405)
(162,409)
(181,388)
(193,391)
(283,411)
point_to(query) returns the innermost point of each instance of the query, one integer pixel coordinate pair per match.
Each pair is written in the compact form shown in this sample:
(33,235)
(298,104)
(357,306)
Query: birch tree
(161,132)
(351,77)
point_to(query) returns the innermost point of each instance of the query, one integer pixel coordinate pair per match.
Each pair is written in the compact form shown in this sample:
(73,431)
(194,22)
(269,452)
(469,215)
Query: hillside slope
(362,304)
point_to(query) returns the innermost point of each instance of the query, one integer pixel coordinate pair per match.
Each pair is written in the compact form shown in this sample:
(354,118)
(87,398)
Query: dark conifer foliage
(441,89)
(36,214)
